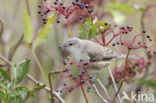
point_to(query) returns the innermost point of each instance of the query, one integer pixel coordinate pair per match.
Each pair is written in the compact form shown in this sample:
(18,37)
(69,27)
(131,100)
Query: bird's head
(70,44)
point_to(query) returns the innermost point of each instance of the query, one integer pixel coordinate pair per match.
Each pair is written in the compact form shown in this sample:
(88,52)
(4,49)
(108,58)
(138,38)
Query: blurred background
(140,14)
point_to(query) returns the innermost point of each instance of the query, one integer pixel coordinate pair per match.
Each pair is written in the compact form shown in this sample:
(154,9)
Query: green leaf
(119,17)
(151,83)
(28,28)
(3,96)
(21,70)
(4,74)
(122,7)
(93,31)
(20,94)
(44,33)
(83,29)
(96,28)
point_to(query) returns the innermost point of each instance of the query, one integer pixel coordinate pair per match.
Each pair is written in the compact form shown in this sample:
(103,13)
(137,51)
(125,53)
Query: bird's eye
(70,44)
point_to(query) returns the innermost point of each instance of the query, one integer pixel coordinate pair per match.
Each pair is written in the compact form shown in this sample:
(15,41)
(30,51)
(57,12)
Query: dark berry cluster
(134,67)
(82,78)
(60,9)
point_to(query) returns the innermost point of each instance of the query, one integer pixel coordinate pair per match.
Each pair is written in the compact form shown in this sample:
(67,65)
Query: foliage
(10,92)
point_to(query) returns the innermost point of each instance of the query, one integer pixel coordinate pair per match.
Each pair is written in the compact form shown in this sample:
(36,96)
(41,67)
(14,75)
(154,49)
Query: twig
(114,83)
(99,95)
(123,74)
(144,41)
(50,83)
(35,81)
(104,89)
(2,28)
(14,48)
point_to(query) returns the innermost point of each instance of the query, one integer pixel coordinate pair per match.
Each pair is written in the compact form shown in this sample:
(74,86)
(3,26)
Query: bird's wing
(99,53)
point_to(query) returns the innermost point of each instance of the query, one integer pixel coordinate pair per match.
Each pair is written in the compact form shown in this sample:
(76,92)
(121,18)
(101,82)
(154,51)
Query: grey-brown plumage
(88,50)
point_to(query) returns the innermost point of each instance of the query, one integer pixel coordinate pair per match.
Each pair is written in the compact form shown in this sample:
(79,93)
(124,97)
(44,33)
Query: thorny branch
(35,81)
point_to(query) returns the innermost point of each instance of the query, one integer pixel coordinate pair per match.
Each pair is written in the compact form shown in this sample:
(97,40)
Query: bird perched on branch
(88,50)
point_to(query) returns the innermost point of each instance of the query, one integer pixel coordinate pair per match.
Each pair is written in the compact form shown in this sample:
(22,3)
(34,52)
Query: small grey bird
(88,50)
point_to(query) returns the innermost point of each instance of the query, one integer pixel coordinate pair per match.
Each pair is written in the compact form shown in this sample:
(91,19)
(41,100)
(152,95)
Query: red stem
(69,32)
(84,94)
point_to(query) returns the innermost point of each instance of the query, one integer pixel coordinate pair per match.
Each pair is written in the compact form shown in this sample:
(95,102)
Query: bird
(99,56)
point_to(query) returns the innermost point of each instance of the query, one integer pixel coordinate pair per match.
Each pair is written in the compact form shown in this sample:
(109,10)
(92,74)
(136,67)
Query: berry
(64,84)
(43,19)
(86,6)
(143,31)
(73,3)
(77,0)
(148,36)
(83,71)
(123,28)
(64,62)
(66,69)
(39,6)
(39,12)
(64,7)
(56,8)
(90,10)
(82,81)
(61,4)
(113,44)
(85,64)
(70,12)
(106,24)
(55,3)
(74,77)
(81,17)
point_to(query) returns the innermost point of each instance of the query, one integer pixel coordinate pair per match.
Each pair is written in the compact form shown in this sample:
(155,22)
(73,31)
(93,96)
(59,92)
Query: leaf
(83,29)
(151,83)
(122,7)
(119,17)
(44,33)
(93,31)
(96,28)
(21,70)
(3,96)
(20,94)
(4,74)
(28,28)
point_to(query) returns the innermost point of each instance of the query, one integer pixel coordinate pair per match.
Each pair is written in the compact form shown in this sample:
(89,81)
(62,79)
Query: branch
(2,28)
(35,81)
(104,89)
(50,83)
(114,84)
(99,95)
(14,48)
(123,75)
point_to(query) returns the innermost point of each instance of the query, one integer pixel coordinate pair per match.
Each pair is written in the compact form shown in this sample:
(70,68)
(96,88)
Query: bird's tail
(124,56)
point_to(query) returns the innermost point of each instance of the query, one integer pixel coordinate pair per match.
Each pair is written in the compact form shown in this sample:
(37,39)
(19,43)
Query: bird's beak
(61,47)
